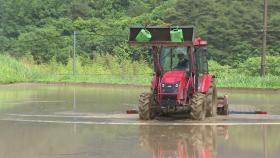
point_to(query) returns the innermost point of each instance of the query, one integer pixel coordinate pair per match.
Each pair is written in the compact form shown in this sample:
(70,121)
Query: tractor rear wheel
(212,102)
(146,101)
(198,106)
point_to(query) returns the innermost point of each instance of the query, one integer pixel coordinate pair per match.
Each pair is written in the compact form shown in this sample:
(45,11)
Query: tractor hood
(173,76)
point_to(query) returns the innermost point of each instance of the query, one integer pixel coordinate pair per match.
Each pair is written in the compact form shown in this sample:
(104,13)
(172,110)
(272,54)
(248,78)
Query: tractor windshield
(174,58)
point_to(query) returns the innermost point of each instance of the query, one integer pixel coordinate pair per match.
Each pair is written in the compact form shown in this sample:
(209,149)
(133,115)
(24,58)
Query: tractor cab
(174,59)
(178,66)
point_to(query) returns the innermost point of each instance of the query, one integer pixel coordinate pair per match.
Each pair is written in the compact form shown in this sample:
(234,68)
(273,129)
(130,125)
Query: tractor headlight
(198,85)
(162,85)
(177,84)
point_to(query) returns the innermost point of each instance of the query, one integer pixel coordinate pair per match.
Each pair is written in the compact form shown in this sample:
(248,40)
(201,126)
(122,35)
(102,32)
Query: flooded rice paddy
(52,121)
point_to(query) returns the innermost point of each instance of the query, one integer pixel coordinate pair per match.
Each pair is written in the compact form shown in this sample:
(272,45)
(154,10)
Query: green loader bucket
(161,35)
(143,36)
(176,35)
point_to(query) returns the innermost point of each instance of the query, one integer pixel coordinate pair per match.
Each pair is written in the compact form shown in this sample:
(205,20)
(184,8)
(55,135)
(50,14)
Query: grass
(104,69)
(240,81)
(107,69)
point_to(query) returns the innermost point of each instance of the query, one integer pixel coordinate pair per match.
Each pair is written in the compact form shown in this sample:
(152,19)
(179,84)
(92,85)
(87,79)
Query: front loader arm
(158,69)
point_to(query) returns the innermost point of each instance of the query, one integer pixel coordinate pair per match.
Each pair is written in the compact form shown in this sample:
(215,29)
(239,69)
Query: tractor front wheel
(198,106)
(146,101)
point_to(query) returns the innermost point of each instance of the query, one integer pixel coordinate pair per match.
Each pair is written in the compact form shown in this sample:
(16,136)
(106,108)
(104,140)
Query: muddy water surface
(31,139)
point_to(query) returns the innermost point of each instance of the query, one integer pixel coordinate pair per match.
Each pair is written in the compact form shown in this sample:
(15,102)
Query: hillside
(44,28)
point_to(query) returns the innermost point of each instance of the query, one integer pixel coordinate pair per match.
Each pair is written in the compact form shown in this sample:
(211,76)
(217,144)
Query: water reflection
(74,109)
(183,141)
(35,140)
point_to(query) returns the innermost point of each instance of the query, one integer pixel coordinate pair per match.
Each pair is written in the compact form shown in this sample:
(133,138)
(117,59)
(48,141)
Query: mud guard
(205,83)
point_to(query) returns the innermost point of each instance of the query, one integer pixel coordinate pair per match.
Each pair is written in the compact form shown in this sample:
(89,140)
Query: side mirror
(135,56)
(206,53)
(150,50)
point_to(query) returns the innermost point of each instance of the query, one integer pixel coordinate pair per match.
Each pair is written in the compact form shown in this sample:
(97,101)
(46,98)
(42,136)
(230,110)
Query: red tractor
(181,82)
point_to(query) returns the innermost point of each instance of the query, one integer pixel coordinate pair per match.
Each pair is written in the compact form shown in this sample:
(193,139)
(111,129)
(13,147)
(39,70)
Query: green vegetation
(241,80)
(107,69)
(247,74)
(41,31)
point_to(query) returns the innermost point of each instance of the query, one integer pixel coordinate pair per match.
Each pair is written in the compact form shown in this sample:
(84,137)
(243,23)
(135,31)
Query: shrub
(252,66)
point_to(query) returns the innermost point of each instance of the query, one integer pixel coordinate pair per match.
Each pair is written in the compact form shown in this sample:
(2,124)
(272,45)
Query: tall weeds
(13,71)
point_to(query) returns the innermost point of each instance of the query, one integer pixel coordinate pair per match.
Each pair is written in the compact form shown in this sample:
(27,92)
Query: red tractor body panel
(174,76)
(205,83)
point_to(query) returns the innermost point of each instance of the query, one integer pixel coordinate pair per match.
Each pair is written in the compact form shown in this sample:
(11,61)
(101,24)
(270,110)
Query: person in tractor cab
(182,61)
